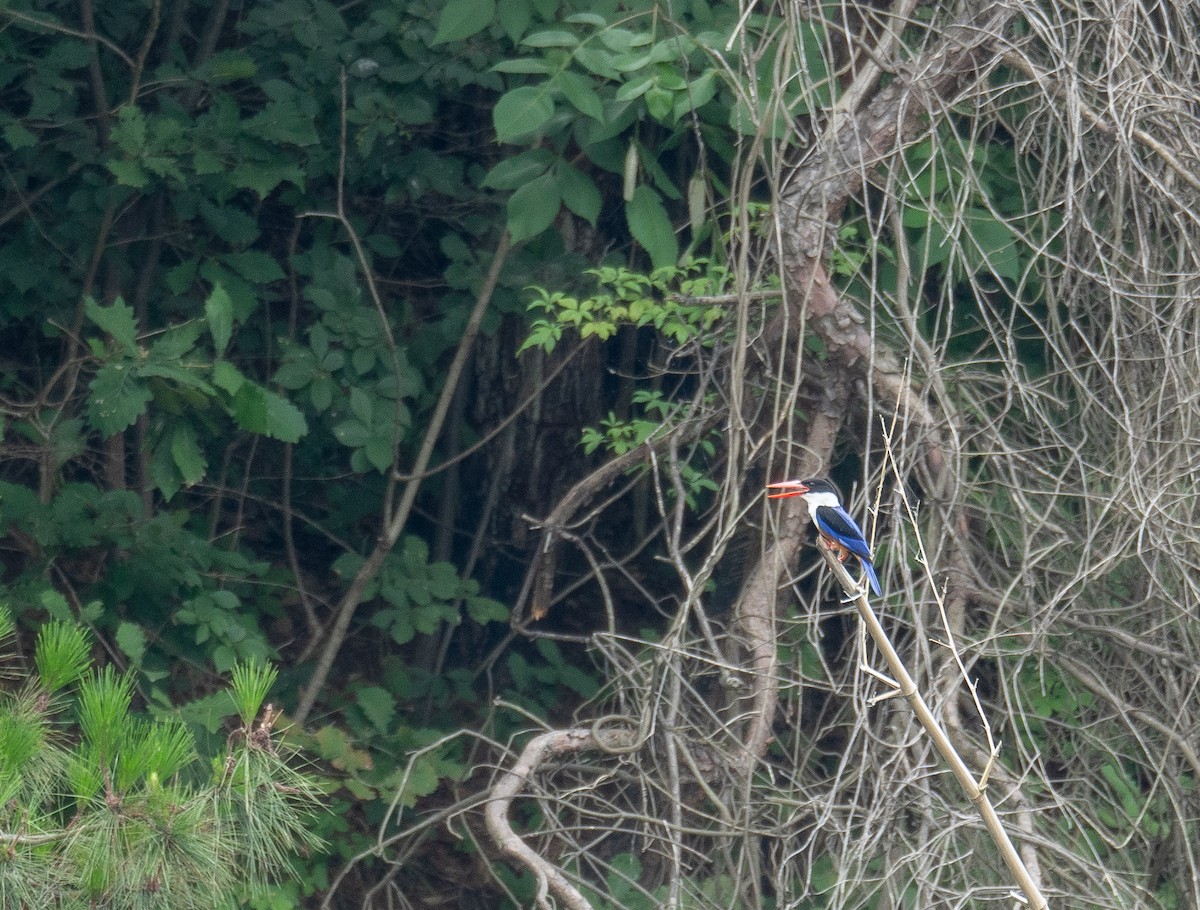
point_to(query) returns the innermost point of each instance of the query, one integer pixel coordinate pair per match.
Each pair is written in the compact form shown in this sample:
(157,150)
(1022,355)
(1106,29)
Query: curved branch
(536,753)
(538,587)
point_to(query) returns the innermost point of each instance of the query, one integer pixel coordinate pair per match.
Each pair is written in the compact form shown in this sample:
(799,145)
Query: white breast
(816,500)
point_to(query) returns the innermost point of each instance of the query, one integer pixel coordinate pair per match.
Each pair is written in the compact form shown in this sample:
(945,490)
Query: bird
(840,532)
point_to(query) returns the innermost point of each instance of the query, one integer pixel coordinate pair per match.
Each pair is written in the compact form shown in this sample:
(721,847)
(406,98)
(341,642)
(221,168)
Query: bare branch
(536,753)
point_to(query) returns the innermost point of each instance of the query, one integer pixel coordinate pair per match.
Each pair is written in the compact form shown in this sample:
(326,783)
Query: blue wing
(836,524)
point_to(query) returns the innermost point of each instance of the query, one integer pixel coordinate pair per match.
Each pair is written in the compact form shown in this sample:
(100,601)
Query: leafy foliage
(103,804)
(205,383)
(239,248)
(671,299)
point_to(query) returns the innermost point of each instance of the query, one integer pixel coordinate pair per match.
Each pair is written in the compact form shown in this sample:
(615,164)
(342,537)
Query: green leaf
(593,19)
(517,171)
(361,404)
(442,580)
(129,173)
(659,102)
(996,243)
(296,373)
(463,18)
(631,90)
(352,433)
(514,17)
(164,473)
(218,310)
(131,639)
(579,681)
(18,137)
(768,118)
(581,93)
(227,66)
(379,452)
(362,360)
(700,91)
(52,601)
(227,377)
(520,671)
(186,454)
(186,374)
(176,341)
(657,173)
(260,410)
(522,111)
(484,610)
(421,779)
(650,226)
(532,208)
(378,705)
(117,399)
(264,176)
(622,880)
(524,65)
(229,223)
(579,192)
(551,38)
(320,393)
(255,266)
(129,132)
(597,60)
(415,552)
(285,122)
(118,321)
(620,40)
(401,627)
(180,277)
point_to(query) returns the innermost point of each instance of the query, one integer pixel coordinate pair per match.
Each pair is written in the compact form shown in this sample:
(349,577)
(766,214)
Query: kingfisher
(840,532)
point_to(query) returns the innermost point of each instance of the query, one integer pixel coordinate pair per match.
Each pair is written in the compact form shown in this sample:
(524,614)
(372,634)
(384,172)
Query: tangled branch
(1032,340)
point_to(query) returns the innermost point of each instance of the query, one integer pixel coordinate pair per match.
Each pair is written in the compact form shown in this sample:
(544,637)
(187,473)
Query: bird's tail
(874,579)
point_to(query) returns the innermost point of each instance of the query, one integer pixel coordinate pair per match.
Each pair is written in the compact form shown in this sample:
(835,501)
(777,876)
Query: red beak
(786,488)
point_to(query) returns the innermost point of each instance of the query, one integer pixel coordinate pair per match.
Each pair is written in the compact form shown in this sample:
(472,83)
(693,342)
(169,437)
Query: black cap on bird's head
(788,488)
